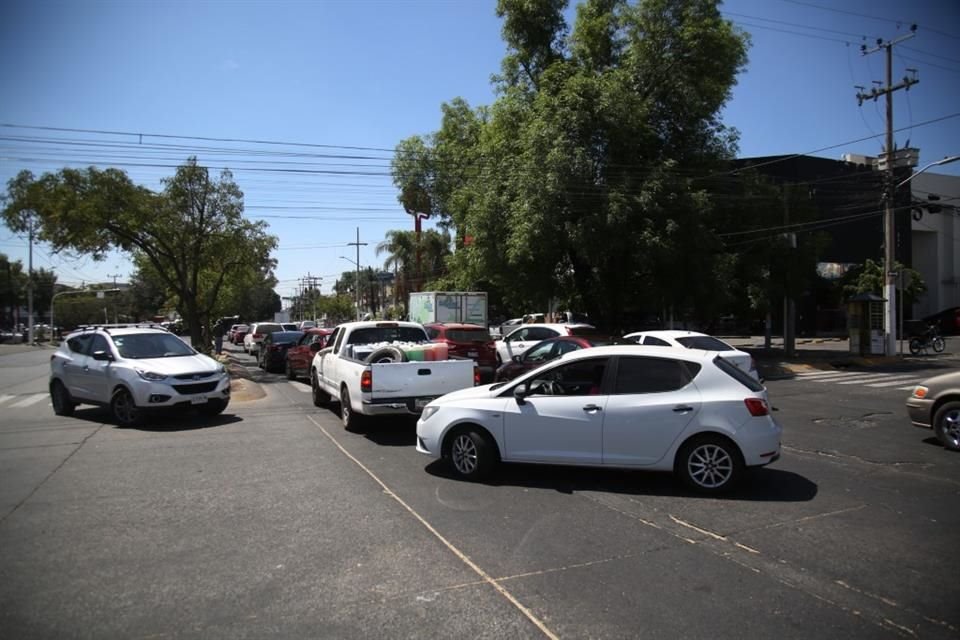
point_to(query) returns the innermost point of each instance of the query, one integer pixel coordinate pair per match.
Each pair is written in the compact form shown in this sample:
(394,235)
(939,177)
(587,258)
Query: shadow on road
(184,420)
(759,485)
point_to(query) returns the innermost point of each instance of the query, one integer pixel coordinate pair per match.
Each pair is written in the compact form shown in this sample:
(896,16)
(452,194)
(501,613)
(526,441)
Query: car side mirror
(102,356)
(520,394)
(518,359)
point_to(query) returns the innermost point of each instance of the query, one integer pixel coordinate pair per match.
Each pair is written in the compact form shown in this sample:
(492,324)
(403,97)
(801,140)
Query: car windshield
(704,343)
(265,328)
(469,335)
(151,345)
(285,337)
(585,330)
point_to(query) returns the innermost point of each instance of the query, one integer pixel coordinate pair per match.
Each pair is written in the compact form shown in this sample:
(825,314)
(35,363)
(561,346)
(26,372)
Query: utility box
(865,324)
(449,306)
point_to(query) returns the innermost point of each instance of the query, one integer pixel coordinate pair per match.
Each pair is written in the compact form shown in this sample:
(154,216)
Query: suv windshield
(151,345)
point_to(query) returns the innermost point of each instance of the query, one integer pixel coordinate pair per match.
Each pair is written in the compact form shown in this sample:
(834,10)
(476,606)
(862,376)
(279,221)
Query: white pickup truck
(369,368)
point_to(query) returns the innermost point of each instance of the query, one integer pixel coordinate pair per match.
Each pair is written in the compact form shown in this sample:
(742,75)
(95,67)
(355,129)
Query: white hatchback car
(526,335)
(258,331)
(694,340)
(690,412)
(132,369)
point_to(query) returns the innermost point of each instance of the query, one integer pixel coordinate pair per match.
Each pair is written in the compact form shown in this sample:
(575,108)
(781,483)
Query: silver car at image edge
(646,408)
(935,404)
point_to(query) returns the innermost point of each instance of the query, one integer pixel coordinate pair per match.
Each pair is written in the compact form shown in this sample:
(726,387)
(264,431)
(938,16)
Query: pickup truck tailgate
(420,379)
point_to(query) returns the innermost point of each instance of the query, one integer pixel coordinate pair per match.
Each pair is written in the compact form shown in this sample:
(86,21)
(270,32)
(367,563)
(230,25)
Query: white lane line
(299,386)
(893,383)
(5,398)
(484,576)
(26,402)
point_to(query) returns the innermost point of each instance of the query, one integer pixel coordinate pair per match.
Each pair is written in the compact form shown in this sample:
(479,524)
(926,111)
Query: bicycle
(929,339)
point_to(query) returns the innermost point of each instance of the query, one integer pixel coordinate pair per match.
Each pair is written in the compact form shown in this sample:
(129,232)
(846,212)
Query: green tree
(193,233)
(868,278)
(579,184)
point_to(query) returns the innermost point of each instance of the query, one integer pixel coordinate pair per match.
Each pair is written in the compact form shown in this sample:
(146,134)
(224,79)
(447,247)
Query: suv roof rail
(121,325)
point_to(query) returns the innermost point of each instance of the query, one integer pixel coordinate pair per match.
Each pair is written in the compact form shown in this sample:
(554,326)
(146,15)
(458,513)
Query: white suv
(133,368)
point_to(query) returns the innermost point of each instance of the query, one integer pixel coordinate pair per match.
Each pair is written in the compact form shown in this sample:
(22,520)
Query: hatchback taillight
(757,407)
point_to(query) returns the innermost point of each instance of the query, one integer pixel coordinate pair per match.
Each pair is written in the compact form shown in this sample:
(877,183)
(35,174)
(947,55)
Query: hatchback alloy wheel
(709,464)
(471,454)
(463,453)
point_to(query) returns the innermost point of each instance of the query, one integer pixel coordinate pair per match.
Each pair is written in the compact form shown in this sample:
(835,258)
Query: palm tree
(401,249)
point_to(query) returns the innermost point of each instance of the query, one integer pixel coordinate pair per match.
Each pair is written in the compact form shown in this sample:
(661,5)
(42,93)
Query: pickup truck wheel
(351,420)
(471,454)
(320,397)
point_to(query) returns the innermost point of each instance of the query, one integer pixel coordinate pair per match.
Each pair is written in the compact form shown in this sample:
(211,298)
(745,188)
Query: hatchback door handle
(592,407)
(682,408)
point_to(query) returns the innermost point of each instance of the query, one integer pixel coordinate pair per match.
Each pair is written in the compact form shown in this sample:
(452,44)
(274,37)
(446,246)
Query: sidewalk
(834,353)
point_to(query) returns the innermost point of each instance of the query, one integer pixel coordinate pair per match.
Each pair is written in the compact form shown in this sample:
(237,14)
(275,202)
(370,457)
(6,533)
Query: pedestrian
(219,329)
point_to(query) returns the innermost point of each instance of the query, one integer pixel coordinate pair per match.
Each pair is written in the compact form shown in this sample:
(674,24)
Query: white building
(936,242)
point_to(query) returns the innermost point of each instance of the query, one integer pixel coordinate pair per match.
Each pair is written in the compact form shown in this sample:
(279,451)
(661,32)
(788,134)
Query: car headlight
(428,412)
(920,392)
(222,370)
(150,375)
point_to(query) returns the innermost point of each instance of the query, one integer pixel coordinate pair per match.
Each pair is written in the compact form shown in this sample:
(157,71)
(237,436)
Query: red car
(467,341)
(237,332)
(550,349)
(300,355)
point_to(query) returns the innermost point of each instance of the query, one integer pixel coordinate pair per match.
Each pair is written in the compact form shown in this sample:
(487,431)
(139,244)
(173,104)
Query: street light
(946,160)
(356,283)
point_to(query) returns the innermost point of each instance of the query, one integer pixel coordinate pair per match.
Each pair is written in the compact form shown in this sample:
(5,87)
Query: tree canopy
(583,183)
(191,236)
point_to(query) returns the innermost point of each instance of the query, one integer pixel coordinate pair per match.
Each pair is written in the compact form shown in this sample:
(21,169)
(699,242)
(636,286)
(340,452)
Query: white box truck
(449,306)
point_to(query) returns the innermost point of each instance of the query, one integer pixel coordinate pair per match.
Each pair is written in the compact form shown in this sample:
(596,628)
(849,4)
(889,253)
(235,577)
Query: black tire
(350,419)
(213,408)
(946,424)
(63,404)
(916,346)
(387,354)
(290,373)
(471,454)
(124,409)
(709,464)
(939,345)
(320,397)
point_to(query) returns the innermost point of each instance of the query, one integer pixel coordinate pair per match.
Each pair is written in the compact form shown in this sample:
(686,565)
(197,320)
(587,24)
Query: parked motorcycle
(931,338)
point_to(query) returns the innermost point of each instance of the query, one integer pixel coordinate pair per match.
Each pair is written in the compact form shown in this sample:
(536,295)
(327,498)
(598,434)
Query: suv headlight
(150,375)
(428,412)
(222,370)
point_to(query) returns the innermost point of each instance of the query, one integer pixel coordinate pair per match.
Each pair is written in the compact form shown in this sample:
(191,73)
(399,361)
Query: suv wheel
(124,409)
(63,404)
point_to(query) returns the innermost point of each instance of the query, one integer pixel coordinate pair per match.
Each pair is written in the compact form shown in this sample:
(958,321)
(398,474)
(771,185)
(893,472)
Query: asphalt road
(273,521)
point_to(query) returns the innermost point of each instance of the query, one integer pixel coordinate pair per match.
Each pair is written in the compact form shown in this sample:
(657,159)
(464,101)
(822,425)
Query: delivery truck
(449,306)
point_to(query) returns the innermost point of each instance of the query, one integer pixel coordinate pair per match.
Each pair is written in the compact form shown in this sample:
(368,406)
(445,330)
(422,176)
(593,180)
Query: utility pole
(789,308)
(889,190)
(312,284)
(30,285)
(357,244)
(115,318)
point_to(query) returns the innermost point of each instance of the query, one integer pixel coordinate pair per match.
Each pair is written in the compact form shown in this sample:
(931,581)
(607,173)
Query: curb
(242,387)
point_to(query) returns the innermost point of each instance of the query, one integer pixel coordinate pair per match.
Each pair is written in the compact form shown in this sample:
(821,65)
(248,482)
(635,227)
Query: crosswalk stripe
(871,379)
(845,375)
(5,398)
(893,383)
(29,400)
(299,386)
(815,374)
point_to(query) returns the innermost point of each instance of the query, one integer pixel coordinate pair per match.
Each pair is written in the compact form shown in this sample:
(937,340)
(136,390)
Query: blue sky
(360,76)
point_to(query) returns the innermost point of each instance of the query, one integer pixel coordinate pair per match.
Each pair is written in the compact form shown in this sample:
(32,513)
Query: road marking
(846,375)
(29,400)
(814,374)
(299,386)
(877,377)
(487,578)
(5,398)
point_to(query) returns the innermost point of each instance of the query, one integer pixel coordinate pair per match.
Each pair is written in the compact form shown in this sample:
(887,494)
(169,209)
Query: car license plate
(420,403)
(472,354)
(198,400)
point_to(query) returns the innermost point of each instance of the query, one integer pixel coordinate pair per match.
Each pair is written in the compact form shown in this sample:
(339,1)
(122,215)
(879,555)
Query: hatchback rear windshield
(704,343)
(581,331)
(737,374)
(151,345)
(469,335)
(373,335)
